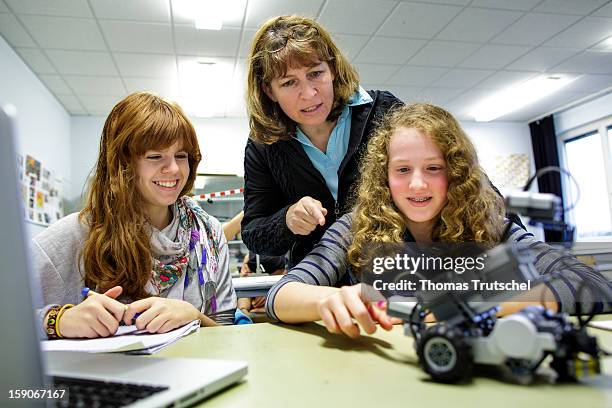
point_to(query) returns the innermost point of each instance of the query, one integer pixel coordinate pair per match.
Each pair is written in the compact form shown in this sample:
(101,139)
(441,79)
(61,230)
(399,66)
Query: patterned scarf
(186,246)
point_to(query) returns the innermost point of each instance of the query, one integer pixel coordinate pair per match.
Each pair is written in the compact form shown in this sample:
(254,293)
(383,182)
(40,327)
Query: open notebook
(127,339)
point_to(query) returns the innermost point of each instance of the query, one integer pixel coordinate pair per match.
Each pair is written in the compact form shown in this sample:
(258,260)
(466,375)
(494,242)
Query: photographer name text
(474,284)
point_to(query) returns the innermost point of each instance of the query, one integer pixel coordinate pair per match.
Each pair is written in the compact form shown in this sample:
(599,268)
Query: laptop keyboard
(93,393)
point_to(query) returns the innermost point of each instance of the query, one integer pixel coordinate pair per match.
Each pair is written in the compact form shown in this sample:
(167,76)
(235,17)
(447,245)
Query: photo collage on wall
(41,191)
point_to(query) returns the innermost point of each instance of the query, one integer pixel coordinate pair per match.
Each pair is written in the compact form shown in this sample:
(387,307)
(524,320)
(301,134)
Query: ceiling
(91,53)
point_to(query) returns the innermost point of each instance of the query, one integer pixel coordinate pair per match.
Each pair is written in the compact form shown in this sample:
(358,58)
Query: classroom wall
(222,142)
(582,114)
(43,124)
(493,139)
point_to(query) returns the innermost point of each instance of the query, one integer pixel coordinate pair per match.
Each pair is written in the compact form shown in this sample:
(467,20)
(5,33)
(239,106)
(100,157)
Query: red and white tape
(220,194)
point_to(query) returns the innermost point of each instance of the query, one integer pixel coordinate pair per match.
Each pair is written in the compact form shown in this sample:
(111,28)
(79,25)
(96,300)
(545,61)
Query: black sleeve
(264,229)
(390,101)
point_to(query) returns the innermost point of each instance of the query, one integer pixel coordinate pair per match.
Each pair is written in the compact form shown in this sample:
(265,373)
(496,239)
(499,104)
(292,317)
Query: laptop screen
(20,355)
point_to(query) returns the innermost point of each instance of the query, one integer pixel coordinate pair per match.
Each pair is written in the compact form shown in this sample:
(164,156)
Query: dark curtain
(545,153)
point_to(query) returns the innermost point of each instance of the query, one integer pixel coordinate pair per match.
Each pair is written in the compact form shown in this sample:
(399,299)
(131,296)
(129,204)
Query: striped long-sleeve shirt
(327,265)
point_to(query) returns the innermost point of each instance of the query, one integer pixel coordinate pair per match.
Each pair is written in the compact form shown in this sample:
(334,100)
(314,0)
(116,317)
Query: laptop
(91,379)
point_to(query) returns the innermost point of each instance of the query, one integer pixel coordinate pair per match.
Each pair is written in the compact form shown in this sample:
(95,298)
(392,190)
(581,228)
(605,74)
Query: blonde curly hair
(474,212)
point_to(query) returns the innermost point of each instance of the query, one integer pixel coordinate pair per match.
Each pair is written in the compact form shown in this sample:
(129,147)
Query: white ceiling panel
(137,37)
(145,65)
(350,44)
(86,85)
(478,24)
(83,62)
(210,43)
(72,104)
(166,88)
(439,96)
(56,84)
(535,28)
(372,87)
(449,52)
(590,83)
(586,32)
(389,50)
(355,16)
(13,32)
(416,76)
(605,45)
(224,66)
(443,53)
(224,61)
(156,11)
(462,106)
(405,93)
(543,58)
(59,32)
(544,106)
(462,78)
(494,56)
(36,60)
(261,10)
(233,11)
(590,62)
(578,7)
(100,105)
(375,73)
(418,20)
(523,5)
(68,8)
(605,11)
(451,2)
(505,79)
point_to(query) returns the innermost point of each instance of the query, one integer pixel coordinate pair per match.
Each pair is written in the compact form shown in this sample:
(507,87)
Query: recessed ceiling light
(196,80)
(607,43)
(203,86)
(209,14)
(519,96)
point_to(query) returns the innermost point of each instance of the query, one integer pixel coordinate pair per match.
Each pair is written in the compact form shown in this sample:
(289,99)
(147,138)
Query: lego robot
(468,331)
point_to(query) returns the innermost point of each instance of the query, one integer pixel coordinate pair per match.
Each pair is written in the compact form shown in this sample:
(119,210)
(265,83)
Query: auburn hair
(117,249)
(474,211)
(267,120)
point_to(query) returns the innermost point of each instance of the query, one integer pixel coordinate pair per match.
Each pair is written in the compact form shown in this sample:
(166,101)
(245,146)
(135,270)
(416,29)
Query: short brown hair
(267,120)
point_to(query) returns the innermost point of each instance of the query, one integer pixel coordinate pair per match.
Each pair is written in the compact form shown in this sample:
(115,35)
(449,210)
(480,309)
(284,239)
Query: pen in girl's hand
(86,292)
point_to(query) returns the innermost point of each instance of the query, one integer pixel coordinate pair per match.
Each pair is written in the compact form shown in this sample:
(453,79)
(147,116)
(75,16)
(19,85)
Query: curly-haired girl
(420,182)
(139,239)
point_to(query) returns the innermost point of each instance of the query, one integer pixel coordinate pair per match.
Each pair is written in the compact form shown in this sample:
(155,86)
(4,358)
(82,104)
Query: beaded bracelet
(51,320)
(59,316)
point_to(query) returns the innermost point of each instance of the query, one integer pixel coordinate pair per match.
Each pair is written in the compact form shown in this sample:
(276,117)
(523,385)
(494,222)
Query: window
(587,160)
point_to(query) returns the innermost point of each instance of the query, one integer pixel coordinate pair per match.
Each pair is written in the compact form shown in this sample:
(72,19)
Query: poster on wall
(32,167)
(510,171)
(41,191)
